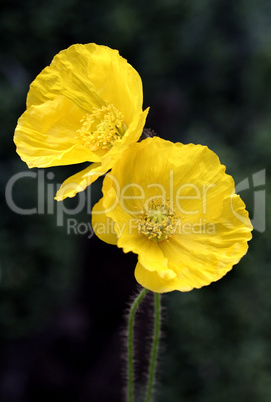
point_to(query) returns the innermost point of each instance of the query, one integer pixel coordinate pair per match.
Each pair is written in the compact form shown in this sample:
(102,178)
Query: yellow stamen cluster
(159,220)
(102,128)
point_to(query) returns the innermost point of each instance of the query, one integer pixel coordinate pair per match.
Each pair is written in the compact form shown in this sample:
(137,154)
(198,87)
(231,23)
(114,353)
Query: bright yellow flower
(174,206)
(85,107)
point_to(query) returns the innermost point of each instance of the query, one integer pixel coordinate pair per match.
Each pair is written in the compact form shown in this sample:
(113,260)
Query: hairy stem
(130,340)
(155,345)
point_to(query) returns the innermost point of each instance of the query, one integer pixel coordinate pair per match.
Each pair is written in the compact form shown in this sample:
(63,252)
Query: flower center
(158,221)
(102,128)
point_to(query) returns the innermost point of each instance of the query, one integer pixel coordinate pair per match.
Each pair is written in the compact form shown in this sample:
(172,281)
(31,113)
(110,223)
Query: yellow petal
(200,181)
(46,135)
(90,75)
(102,225)
(149,253)
(67,75)
(79,181)
(191,176)
(156,283)
(207,253)
(116,81)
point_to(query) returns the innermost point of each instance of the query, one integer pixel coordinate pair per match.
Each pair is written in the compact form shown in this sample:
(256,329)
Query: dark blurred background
(206,72)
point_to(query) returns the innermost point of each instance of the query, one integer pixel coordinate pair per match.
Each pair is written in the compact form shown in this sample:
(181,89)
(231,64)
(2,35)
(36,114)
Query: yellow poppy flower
(85,107)
(174,206)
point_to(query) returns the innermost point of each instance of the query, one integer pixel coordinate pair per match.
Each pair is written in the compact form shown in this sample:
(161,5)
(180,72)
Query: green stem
(155,344)
(131,319)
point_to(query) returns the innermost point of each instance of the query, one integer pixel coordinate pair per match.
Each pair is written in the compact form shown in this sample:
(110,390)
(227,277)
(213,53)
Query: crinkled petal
(200,181)
(91,76)
(46,135)
(206,252)
(149,253)
(67,75)
(116,81)
(157,283)
(190,175)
